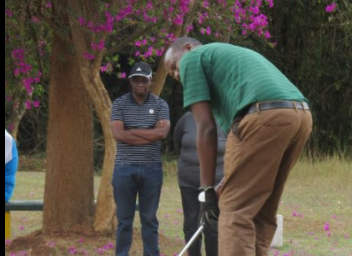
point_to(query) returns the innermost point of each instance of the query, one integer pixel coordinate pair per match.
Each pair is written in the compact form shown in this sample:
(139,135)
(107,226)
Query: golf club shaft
(190,242)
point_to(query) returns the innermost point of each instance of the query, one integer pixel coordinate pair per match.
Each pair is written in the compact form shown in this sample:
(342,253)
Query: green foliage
(314,51)
(26,55)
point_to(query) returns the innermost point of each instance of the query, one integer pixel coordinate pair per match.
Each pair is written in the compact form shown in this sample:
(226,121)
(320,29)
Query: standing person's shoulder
(9,144)
(121,99)
(158,99)
(8,139)
(185,118)
(7,135)
(188,116)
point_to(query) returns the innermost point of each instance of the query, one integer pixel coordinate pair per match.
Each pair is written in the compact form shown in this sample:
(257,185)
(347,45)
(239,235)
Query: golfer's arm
(206,142)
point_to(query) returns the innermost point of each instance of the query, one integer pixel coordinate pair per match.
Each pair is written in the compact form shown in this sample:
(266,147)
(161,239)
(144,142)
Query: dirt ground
(38,244)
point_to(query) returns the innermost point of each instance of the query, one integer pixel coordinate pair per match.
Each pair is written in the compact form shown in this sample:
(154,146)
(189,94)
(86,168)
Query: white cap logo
(138,69)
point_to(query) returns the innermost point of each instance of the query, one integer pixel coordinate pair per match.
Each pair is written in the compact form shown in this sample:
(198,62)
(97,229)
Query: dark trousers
(190,206)
(144,180)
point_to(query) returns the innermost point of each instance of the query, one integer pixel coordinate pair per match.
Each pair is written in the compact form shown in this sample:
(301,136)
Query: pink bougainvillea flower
(7,241)
(271,3)
(51,243)
(189,28)
(327,226)
(331,7)
(100,251)
(98,46)
(48,4)
(28,105)
(110,245)
(36,103)
(88,56)
(122,75)
(10,127)
(267,34)
(9,13)
(72,250)
(138,43)
(276,253)
(205,4)
(178,19)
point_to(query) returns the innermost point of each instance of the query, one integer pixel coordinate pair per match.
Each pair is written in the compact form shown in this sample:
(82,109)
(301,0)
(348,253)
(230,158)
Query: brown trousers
(260,152)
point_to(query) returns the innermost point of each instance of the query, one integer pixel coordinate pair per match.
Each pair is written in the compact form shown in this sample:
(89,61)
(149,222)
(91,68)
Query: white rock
(278,237)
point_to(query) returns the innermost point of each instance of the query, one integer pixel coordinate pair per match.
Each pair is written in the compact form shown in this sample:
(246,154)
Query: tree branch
(129,39)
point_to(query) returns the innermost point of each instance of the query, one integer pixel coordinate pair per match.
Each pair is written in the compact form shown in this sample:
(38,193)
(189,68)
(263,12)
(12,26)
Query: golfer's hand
(209,210)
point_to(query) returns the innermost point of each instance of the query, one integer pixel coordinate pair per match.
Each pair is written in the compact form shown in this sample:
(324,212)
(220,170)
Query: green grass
(316,194)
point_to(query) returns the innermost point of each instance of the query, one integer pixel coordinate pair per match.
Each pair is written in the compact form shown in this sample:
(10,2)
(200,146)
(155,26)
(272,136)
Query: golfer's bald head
(181,42)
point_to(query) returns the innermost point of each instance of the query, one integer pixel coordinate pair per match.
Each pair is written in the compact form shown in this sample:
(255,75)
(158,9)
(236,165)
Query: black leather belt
(261,106)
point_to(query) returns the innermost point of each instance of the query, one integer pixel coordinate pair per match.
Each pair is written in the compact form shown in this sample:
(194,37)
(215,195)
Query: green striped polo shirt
(232,78)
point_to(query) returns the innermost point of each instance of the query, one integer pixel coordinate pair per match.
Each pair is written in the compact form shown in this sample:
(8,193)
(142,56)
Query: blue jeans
(144,180)
(190,205)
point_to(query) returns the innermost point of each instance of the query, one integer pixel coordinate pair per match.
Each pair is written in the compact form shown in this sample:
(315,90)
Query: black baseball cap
(141,69)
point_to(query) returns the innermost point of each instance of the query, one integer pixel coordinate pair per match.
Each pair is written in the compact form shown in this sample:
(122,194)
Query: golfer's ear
(189,46)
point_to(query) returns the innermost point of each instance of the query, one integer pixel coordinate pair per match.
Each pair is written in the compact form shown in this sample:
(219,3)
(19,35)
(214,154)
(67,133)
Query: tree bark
(68,196)
(90,73)
(69,187)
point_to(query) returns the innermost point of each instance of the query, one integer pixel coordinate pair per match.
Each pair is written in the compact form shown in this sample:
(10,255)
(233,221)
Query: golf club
(196,234)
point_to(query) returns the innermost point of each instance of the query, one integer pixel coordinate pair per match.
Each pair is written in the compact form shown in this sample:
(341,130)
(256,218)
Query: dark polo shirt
(135,116)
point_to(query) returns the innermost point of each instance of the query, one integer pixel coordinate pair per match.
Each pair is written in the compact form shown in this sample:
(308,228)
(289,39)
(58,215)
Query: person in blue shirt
(11,164)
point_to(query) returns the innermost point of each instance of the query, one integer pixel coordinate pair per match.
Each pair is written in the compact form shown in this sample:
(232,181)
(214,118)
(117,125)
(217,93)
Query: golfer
(268,121)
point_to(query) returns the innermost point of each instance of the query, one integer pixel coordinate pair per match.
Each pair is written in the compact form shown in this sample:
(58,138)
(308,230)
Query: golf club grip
(190,242)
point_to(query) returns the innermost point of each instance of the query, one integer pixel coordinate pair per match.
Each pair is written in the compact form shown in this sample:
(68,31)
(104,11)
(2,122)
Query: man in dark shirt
(139,121)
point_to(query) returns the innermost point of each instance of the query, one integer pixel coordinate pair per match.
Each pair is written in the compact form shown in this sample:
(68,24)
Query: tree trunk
(68,196)
(105,208)
(90,73)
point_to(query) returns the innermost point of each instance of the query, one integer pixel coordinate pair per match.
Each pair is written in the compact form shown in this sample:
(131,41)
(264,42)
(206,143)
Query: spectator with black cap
(139,122)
